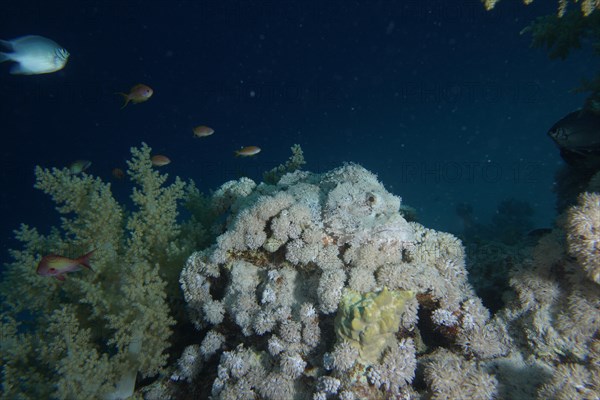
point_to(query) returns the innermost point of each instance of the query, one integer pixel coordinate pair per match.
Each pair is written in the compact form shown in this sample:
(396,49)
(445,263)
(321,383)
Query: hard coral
(370,321)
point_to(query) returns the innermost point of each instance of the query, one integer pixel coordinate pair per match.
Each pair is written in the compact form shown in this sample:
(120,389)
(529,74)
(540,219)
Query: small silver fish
(34,55)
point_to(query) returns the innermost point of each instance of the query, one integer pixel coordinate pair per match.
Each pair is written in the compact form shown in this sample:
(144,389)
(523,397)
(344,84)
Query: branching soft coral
(90,216)
(153,225)
(89,336)
(294,163)
(560,35)
(566,31)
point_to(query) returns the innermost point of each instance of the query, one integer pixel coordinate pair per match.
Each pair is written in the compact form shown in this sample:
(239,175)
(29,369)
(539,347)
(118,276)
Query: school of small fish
(35,55)
(576,134)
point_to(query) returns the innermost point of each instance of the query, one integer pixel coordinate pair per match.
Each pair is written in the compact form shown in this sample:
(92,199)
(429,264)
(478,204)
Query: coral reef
(318,283)
(583,237)
(452,377)
(554,317)
(494,248)
(325,291)
(512,221)
(294,163)
(90,336)
(314,286)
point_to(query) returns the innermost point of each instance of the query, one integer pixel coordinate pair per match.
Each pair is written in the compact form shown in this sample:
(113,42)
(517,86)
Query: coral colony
(324,279)
(310,286)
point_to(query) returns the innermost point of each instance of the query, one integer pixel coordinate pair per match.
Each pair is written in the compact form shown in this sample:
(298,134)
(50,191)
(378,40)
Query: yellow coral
(370,321)
(587,6)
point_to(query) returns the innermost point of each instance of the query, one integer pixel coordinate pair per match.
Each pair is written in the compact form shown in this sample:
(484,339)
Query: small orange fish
(247,151)
(203,131)
(58,266)
(159,160)
(138,94)
(118,173)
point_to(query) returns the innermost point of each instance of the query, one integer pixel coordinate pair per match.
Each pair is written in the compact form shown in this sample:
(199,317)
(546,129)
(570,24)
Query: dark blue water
(446,102)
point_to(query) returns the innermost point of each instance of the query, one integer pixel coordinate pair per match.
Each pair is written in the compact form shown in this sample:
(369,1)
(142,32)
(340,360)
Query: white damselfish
(34,55)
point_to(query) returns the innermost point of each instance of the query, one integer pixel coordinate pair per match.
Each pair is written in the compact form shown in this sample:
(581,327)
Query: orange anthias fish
(58,266)
(118,173)
(159,160)
(247,151)
(203,131)
(138,94)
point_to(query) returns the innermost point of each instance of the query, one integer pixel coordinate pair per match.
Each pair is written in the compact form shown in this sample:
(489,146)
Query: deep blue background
(446,102)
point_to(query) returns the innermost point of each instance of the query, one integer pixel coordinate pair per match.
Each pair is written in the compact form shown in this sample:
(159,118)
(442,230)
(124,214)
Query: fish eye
(52,270)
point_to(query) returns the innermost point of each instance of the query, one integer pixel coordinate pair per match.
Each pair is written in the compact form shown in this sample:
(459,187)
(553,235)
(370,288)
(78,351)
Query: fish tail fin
(5,45)
(125,97)
(85,260)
